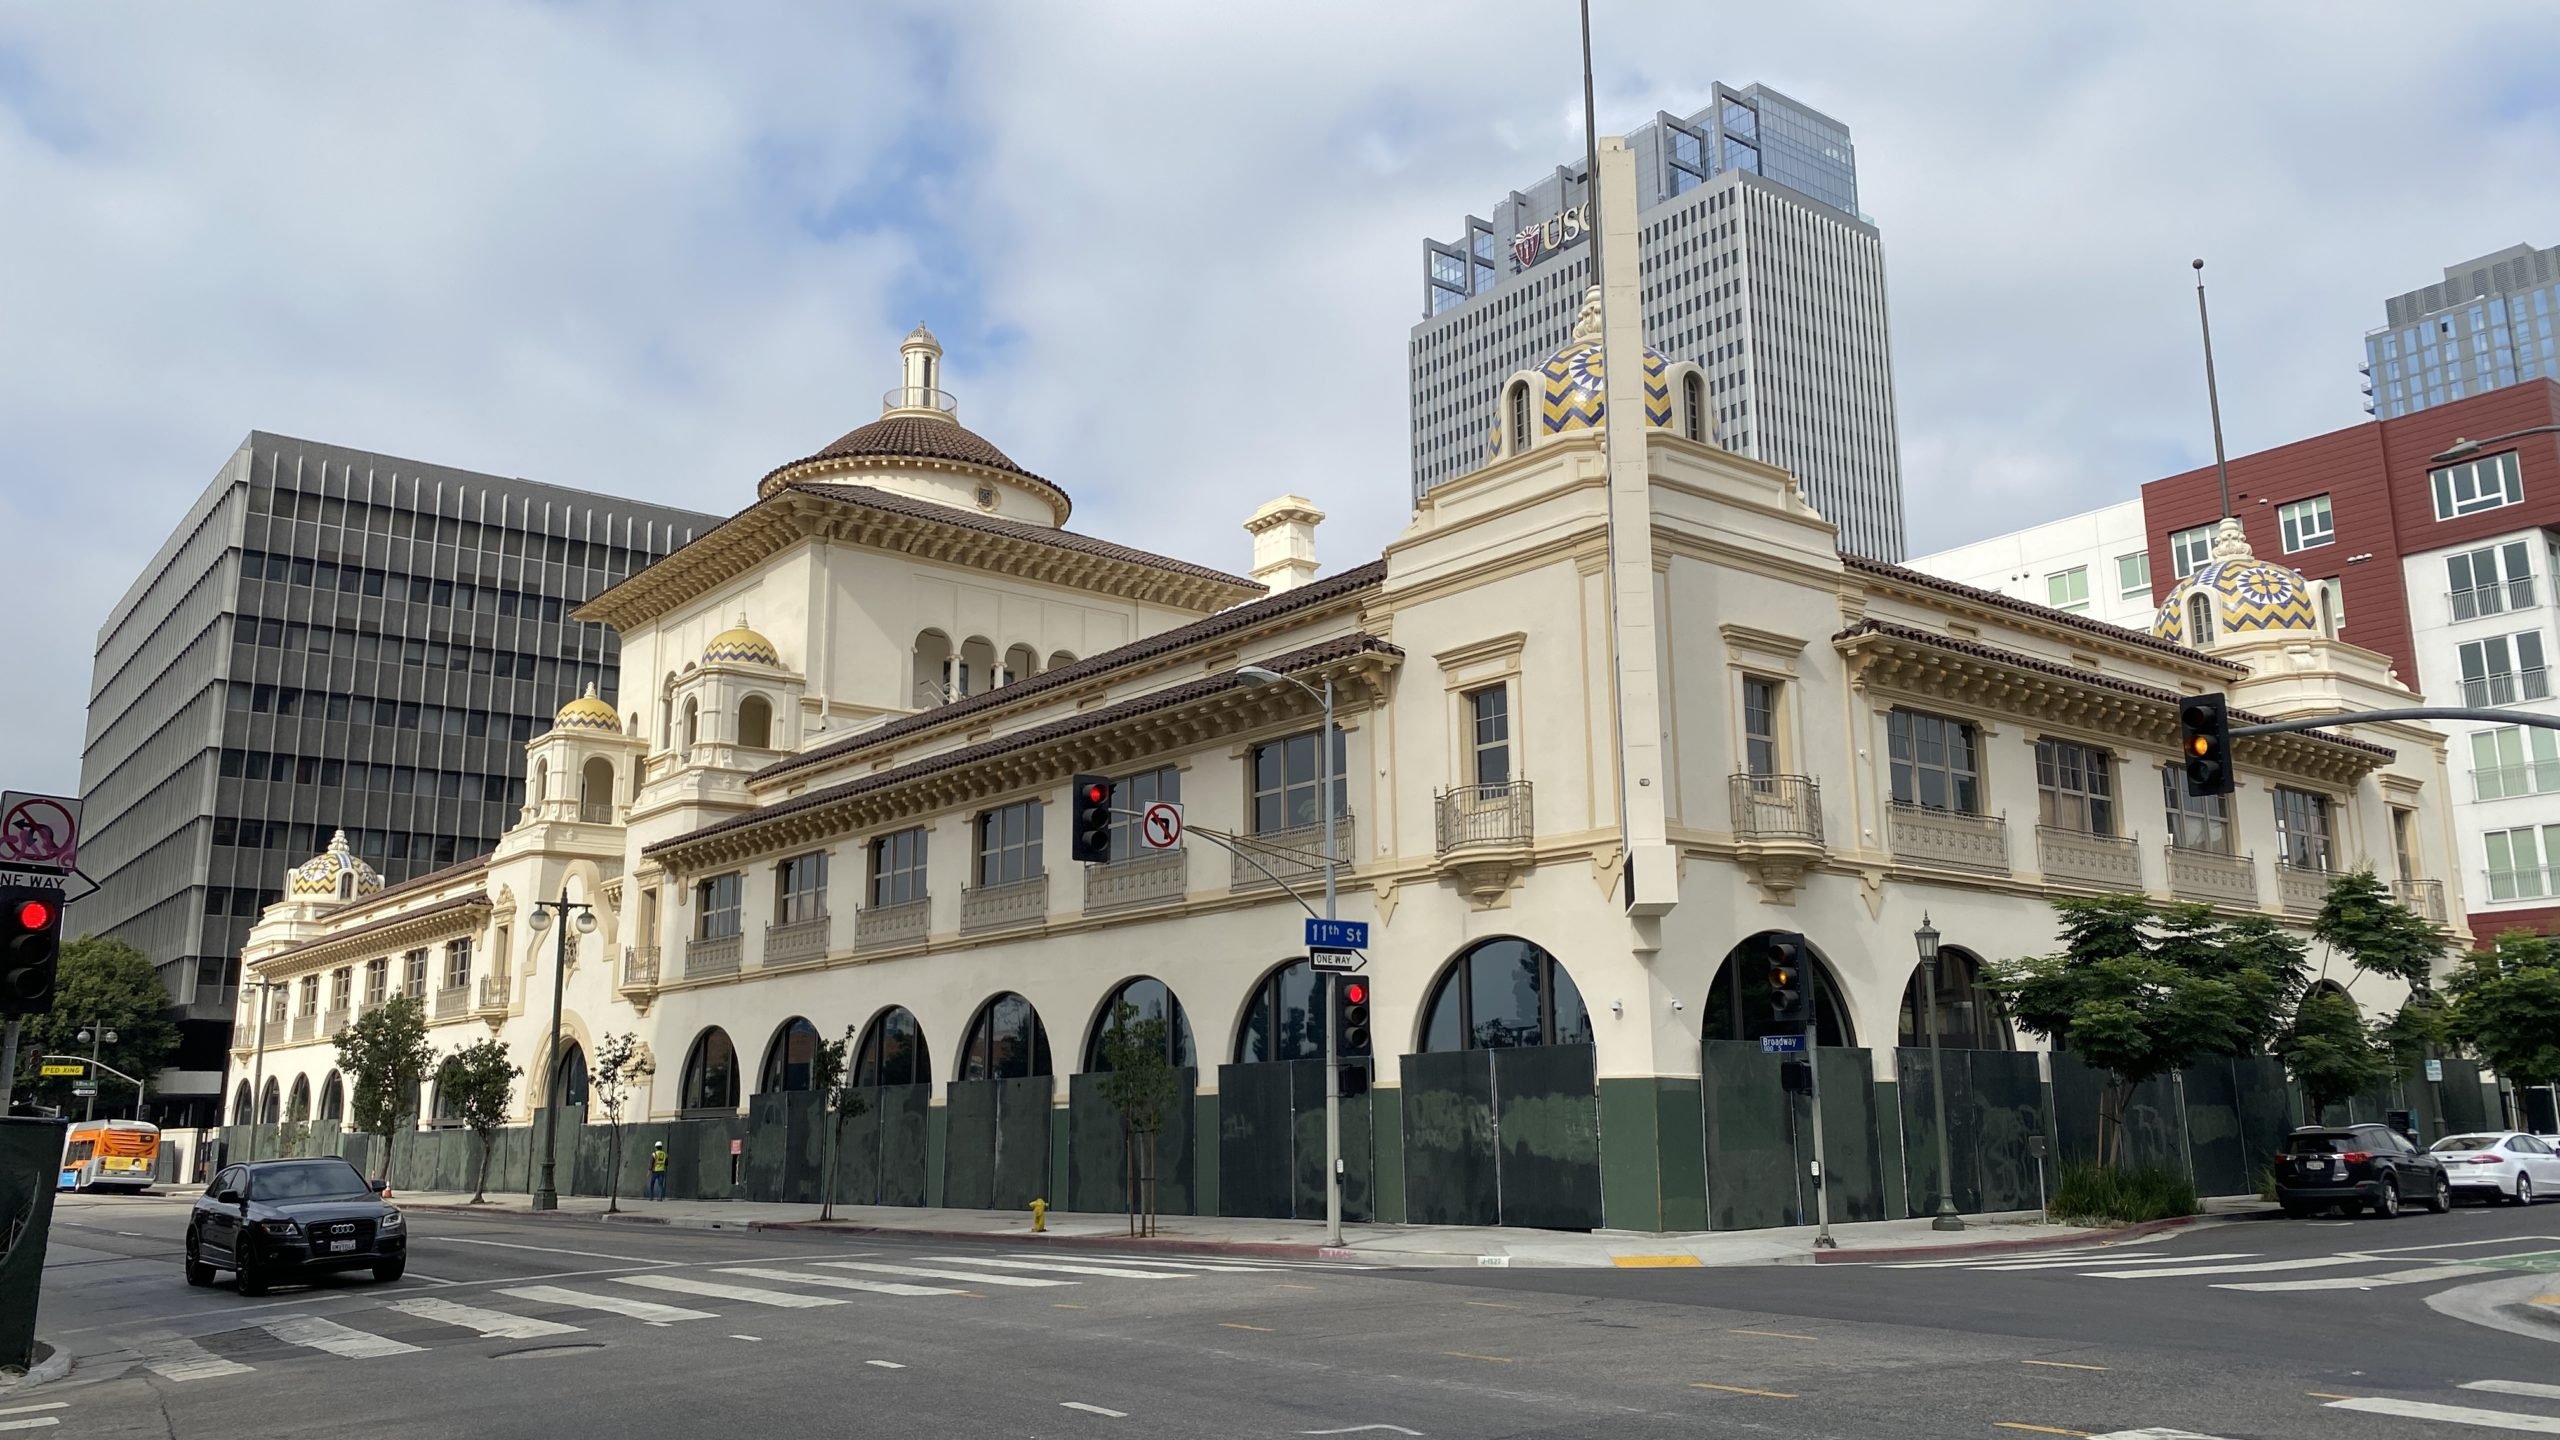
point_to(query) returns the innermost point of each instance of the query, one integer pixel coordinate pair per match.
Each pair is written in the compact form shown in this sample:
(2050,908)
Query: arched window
(297,1108)
(667,711)
(440,1097)
(1519,411)
(1967,1018)
(240,1104)
(977,669)
(271,1104)
(1020,663)
(1058,658)
(1285,1018)
(1693,396)
(346,884)
(1738,1002)
(2199,619)
(1150,1000)
(755,723)
(892,1051)
(333,1098)
(569,1077)
(2329,621)
(692,723)
(710,1073)
(933,669)
(790,1057)
(1499,994)
(595,791)
(541,781)
(1006,1042)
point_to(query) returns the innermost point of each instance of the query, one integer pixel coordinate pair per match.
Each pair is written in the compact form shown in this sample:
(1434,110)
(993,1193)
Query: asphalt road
(512,1326)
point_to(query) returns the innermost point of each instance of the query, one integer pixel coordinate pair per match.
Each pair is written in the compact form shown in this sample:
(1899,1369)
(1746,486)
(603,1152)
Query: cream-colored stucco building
(1609,717)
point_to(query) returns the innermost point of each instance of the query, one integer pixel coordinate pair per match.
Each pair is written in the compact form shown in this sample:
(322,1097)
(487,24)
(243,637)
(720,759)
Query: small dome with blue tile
(587,712)
(2244,597)
(1568,392)
(337,873)
(739,645)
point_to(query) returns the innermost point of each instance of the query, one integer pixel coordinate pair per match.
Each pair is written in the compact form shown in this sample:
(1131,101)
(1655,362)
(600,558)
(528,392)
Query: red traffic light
(1355,992)
(1096,794)
(35,915)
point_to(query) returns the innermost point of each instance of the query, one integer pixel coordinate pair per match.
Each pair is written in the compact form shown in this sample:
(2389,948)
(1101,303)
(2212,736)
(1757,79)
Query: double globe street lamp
(1947,1218)
(547,1196)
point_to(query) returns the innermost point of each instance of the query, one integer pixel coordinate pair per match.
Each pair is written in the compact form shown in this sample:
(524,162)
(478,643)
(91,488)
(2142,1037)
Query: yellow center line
(1471,1355)
(1232,1325)
(2039,1429)
(1741,1390)
(1773,1334)
(2546,1299)
(2061,1365)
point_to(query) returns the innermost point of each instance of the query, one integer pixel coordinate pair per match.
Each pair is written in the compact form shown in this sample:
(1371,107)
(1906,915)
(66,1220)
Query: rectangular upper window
(2476,485)
(2490,580)
(715,907)
(1935,762)
(2133,573)
(457,964)
(1489,735)
(1130,797)
(2302,829)
(2075,787)
(2517,861)
(800,888)
(897,867)
(2513,760)
(2196,822)
(1759,725)
(1009,843)
(2068,589)
(377,975)
(2189,549)
(1286,779)
(342,984)
(2307,523)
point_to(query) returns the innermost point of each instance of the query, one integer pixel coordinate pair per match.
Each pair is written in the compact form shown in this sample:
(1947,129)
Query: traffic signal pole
(1332,994)
(1822,1239)
(9,1065)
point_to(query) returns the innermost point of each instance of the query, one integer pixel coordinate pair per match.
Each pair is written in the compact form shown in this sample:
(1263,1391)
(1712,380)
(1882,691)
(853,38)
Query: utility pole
(1813,1085)
(9,1065)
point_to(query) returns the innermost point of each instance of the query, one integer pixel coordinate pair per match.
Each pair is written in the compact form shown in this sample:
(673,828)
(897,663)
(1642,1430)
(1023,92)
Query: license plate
(341,1246)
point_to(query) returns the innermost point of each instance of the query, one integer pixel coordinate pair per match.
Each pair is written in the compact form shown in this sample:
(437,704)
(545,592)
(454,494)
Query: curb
(2004,1247)
(55,1364)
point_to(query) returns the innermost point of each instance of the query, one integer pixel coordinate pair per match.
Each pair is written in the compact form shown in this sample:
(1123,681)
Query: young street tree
(2139,990)
(833,1078)
(2506,1007)
(385,1055)
(2331,1053)
(2363,921)
(112,985)
(1139,1080)
(622,1062)
(476,1084)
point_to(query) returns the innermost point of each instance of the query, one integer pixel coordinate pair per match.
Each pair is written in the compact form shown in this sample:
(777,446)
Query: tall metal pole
(258,1071)
(1332,995)
(1947,1218)
(97,1050)
(1590,150)
(8,1064)
(547,1197)
(2213,393)
(1822,1239)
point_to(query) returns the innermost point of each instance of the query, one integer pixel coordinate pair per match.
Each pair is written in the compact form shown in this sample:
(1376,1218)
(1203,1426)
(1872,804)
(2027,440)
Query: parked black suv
(2351,1166)
(274,1221)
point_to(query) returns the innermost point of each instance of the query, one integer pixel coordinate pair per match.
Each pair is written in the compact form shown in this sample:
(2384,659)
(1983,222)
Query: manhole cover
(547,1352)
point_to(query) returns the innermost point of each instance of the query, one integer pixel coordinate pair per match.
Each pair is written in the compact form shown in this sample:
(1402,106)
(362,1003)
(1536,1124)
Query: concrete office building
(330,639)
(2485,326)
(1757,266)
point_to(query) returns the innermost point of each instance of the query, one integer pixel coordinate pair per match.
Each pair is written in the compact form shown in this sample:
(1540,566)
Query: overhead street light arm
(2465,449)
(2415,712)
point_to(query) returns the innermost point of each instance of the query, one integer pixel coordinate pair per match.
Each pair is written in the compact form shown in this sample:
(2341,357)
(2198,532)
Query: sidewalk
(1412,1245)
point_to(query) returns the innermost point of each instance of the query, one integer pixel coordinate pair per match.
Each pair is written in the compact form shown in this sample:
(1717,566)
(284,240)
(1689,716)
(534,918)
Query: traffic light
(1089,833)
(1352,1035)
(2204,741)
(1355,1078)
(1786,980)
(1795,1077)
(30,943)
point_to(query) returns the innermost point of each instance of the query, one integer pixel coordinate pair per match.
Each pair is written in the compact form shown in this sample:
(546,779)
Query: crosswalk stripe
(2316,1262)
(174,1357)
(2084,1252)
(838,1282)
(2078,1261)
(918,1272)
(40,1422)
(492,1324)
(315,1333)
(611,1304)
(2449,1414)
(1120,1273)
(2365,1282)
(1223,1266)
(31,1409)
(713,1289)
(2515,1387)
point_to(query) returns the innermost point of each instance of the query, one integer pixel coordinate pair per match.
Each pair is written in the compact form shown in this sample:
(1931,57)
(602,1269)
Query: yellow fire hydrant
(1039,1215)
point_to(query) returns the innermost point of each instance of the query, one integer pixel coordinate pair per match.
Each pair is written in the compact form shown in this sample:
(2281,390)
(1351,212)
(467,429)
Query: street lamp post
(1947,1218)
(2464,449)
(258,1065)
(99,1038)
(1256,675)
(547,1197)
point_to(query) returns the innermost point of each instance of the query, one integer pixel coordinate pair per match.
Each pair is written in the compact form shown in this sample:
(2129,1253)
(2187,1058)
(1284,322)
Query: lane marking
(1228,1268)
(1119,1273)
(1471,1355)
(2038,1429)
(492,1324)
(758,1338)
(1491,1304)
(1357,1429)
(41,1422)
(2450,1414)
(1285,1285)
(2316,1262)
(336,1339)
(2073,1263)
(174,1357)
(2061,1365)
(2085,1252)
(650,1311)
(2515,1387)
(1234,1325)
(2153,1433)
(974,1277)
(838,1282)
(1773,1334)
(2364,1282)
(1656,1262)
(885,1364)
(545,1249)
(2325,1395)
(1063,1305)
(1741,1390)
(30,1409)
(1092,1409)
(714,1290)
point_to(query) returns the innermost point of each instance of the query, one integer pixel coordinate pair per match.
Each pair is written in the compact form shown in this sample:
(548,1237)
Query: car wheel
(252,1275)
(199,1274)
(2440,1199)
(2388,1205)
(390,1270)
(2524,1189)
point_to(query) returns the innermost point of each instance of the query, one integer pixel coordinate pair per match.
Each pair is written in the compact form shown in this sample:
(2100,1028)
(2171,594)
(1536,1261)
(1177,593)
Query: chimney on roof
(1284,542)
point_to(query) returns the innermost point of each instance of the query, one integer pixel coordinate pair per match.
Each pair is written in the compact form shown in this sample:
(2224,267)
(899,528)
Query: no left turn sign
(1160,826)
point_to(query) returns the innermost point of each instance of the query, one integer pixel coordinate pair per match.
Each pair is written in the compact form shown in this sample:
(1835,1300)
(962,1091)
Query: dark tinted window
(315,1180)
(2465,1142)
(2323,1142)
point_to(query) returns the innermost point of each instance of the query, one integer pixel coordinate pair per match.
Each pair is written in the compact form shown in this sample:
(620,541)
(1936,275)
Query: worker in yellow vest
(658,1171)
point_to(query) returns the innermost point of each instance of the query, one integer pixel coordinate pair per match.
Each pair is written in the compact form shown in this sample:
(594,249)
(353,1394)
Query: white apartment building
(2096,564)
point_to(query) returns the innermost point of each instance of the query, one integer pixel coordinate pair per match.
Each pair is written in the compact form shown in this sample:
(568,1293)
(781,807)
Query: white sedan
(2501,1164)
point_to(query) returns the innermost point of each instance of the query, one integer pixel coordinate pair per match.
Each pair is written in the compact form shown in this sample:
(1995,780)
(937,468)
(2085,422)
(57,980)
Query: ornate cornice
(446,919)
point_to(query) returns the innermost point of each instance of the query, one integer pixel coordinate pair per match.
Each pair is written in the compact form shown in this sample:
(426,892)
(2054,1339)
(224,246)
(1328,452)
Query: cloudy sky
(1174,248)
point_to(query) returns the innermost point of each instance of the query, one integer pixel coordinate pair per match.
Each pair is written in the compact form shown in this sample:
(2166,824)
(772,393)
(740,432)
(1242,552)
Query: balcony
(334,1024)
(2082,861)
(1150,877)
(1496,816)
(2506,687)
(2527,884)
(919,397)
(1294,857)
(1777,807)
(2495,598)
(798,942)
(2301,889)
(2505,782)
(1950,840)
(2213,878)
(886,927)
(306,1025)
(452,1002)
(596,812)
(493,998)
(2423,896)
(639,970)
(711,957)
(1003,907)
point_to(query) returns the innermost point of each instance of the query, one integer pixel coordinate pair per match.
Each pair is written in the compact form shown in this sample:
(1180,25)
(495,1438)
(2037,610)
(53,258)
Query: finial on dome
(1586,324)
(919,389)
(2231,541)
(921,337)
(338,838)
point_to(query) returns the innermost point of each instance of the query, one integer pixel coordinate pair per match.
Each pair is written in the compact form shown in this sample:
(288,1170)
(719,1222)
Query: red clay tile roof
(2046,613)
(917,437)
(1241,617)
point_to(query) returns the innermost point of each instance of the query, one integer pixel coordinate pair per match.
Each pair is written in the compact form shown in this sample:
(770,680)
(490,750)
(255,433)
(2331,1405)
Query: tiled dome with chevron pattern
(587,712)
(337,873)
(1573,393)
(2250,596)
(739,645)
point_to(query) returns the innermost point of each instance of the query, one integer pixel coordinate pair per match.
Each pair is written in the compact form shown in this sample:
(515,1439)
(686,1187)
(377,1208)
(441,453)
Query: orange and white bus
(119,1154)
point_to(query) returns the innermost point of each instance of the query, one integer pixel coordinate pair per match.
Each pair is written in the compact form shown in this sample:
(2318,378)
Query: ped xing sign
(60,1069)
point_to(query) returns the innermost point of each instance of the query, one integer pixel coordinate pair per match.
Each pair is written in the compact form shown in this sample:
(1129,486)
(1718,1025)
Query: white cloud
(1174,248)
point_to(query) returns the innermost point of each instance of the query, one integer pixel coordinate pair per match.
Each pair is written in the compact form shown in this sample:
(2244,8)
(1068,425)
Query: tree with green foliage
(475,1085)
(2505,1005)
(1139,1080)
(2141,989)
(110,984)
(2362,920)
(622,1062)
(832,1077)
(385,1056)
(2331,1052)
